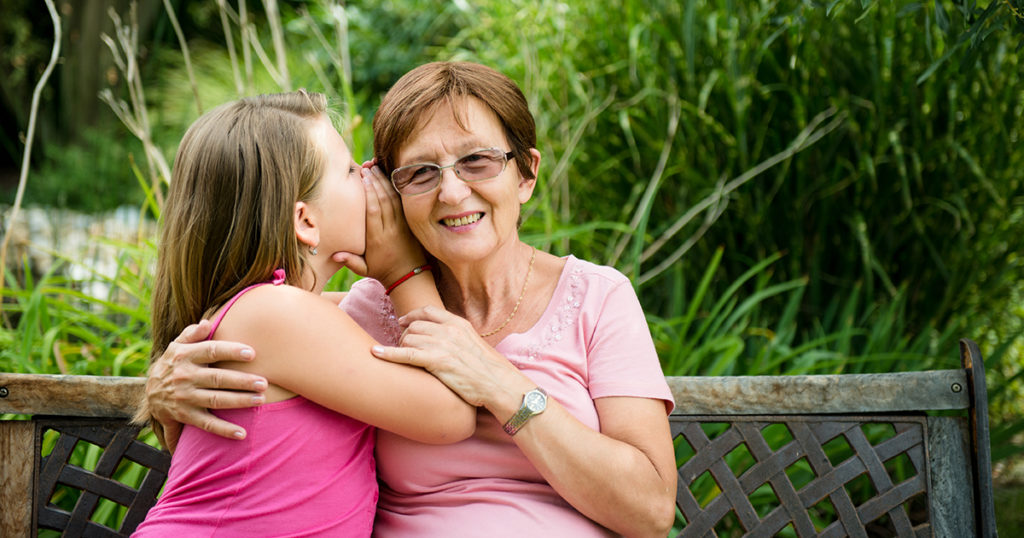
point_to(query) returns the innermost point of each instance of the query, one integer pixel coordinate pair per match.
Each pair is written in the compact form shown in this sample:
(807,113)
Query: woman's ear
(526,185)
(307,229)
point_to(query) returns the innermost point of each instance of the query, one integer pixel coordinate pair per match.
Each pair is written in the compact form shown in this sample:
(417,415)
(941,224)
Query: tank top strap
(277,280)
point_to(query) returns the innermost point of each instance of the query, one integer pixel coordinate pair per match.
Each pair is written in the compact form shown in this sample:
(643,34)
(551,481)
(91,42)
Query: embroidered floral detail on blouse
(389,321)
(565,318)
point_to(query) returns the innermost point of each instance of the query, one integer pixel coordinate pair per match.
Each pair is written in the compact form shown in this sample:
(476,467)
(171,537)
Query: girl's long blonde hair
(228,219)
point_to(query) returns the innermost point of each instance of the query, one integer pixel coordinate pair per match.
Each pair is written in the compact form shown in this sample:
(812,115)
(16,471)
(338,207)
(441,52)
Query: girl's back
(302,470)
(301,466)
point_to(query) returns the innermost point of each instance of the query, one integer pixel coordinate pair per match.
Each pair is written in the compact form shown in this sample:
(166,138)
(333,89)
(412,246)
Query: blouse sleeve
(371,308)
(621,357)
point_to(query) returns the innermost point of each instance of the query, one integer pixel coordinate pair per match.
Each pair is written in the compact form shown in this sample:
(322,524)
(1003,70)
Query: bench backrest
(840,455)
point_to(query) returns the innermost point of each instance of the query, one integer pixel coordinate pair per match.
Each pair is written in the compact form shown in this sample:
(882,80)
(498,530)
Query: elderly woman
(572,437)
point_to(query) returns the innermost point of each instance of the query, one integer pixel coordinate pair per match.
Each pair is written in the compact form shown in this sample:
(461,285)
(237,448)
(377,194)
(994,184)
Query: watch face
(535,401)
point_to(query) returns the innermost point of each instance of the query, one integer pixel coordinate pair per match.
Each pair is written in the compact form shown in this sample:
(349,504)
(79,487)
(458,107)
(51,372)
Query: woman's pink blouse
(591,342)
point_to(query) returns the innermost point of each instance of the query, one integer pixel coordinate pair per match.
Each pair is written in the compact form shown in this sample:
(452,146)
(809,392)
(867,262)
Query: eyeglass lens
(477,166)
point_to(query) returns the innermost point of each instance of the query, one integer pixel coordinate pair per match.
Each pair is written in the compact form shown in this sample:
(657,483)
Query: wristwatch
(534,403)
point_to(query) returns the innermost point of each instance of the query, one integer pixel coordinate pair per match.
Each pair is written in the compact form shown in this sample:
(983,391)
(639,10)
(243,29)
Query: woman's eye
(421,173)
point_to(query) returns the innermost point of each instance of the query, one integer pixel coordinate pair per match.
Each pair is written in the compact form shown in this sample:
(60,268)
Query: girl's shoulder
(278,309)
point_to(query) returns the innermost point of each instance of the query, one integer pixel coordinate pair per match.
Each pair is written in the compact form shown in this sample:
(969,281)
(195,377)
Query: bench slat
(70,395)
(73,395)
(797,394)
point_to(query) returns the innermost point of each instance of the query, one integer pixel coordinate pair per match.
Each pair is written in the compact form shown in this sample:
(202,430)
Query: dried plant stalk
(29,137)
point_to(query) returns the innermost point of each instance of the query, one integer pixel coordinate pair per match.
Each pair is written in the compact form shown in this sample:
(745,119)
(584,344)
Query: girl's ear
(307,230)
(526,185)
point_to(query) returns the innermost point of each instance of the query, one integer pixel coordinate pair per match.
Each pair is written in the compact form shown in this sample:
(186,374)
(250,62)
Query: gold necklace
(519,300)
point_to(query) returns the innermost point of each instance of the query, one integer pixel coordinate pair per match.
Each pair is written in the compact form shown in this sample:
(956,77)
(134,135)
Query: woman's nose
(452,189)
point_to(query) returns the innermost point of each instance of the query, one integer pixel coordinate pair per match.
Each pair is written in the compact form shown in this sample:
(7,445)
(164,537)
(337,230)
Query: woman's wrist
(402,279)
(505,394)
(415,292)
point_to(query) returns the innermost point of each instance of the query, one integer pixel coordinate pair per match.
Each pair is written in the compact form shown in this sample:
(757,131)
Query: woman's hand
(181,388)
(391,249)
(449,347)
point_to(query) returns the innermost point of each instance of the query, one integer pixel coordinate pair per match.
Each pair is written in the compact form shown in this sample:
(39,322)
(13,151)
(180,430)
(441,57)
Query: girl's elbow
(464,425)
(662,515)
(459,424)
(666,518)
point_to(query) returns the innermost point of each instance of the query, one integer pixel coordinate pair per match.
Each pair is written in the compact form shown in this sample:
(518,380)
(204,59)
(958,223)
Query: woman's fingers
(374,218)
(431,314)
(209,422)
(390,199)
(184,365)
(400,355)
(187,348)
(197,332)
(390,206)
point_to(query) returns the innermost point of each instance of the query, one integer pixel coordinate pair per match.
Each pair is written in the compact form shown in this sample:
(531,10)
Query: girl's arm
(309,347)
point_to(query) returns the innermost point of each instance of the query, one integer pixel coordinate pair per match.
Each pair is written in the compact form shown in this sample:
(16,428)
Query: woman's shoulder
(366,288)
(593,273)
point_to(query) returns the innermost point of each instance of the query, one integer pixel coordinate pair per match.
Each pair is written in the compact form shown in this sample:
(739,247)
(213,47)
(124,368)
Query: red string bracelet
(407,276)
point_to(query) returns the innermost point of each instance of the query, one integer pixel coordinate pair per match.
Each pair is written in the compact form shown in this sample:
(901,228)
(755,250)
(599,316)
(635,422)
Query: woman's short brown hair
(419,91)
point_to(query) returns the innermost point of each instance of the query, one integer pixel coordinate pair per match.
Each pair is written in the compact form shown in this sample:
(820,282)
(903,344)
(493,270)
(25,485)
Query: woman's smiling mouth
(464,220)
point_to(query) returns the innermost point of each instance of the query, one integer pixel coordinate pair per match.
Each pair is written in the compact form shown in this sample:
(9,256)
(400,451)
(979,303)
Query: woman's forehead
(462,126)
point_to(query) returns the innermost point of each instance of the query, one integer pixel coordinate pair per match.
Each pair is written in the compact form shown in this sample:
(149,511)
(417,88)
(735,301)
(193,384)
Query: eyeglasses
(420,178)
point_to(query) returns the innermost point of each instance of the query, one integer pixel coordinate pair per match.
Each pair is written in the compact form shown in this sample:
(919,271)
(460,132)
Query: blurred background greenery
(794,187)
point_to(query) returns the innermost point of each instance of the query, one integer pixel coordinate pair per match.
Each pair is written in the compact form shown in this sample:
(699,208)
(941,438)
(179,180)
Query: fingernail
(257,400)
(239,434)
(246,353)
(260,385)
(377,349)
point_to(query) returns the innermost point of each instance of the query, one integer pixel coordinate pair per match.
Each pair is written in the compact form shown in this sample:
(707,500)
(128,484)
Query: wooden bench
(839,455)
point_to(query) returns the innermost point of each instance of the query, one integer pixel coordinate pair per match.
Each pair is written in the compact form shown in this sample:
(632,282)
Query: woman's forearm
(624,479)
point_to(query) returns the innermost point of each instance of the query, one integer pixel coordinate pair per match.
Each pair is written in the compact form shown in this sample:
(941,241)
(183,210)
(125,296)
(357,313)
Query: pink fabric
(302,470)
(591,342)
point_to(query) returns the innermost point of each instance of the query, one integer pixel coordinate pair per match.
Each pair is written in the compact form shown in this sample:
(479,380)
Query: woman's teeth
(462,221)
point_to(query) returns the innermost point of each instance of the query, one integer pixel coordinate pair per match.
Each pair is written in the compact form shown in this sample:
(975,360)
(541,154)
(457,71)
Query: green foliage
(90,175)
(54,325)
(666,101)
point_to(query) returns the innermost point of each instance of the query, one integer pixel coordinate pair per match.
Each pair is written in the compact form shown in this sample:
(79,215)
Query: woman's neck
(484,291)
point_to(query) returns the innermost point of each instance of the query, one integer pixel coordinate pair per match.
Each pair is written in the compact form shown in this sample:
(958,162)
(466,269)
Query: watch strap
(524,413)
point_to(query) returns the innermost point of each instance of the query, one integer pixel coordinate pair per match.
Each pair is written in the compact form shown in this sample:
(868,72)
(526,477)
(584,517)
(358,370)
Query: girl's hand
(391,249)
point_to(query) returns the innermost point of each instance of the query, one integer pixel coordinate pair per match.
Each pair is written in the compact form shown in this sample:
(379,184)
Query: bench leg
(17,447)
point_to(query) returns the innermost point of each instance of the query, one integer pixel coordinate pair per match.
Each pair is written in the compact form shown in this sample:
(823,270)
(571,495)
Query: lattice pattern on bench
(58,477)
(808,462)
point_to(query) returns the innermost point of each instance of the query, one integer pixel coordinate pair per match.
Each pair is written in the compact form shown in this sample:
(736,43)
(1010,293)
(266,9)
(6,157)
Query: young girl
(263,191)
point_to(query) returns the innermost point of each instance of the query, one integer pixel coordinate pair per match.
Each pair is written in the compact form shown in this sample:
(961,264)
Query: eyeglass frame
(440,170)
